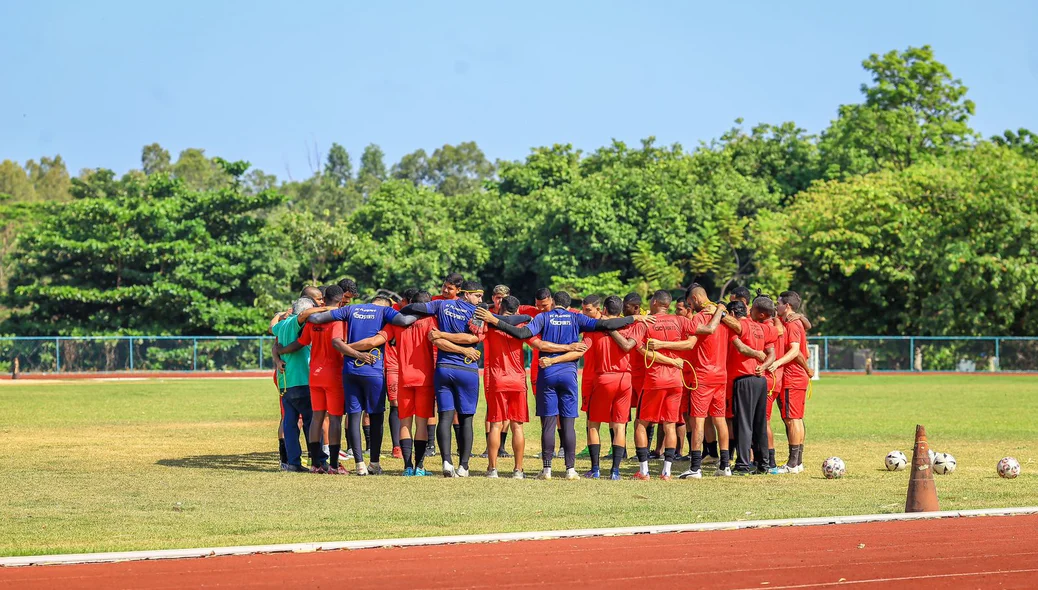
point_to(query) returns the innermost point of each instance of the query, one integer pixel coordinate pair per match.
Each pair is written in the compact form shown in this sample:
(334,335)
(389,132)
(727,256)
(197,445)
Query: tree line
(898,218)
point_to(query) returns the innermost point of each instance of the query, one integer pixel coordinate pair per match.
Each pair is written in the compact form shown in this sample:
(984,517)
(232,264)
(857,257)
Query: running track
(982,552)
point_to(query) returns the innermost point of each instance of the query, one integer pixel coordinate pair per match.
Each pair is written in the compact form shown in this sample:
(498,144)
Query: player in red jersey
(661,395)
(707,357)
(755,346)
(793,381)
(591,306)
(451,287)
(505,390)
(609,398)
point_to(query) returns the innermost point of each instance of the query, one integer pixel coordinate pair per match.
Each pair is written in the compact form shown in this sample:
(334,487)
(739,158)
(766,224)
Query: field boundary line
(79,558)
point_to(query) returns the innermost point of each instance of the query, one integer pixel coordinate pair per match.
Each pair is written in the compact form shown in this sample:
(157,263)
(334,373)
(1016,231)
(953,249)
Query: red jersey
(795,376)
(325,361)
(608,357)
(780,349)
(710,356)
(531,311)
(758,337)
(415,359)
(503,367)
(636,332)
(669,328)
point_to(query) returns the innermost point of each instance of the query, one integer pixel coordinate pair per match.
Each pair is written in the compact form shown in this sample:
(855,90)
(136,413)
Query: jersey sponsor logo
(363,316)
(560,322)
(457,316)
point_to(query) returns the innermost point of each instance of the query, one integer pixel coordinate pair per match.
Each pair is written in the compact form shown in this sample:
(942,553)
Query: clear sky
(265,81)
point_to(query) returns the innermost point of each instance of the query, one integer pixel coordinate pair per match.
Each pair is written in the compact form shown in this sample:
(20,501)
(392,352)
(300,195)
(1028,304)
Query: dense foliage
(897,218)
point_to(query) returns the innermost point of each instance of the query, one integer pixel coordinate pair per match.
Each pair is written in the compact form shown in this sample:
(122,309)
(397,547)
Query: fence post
(825,342)
(998,356)
(57,355)
(260,340)
(194,354)
(131,352)
(911,354)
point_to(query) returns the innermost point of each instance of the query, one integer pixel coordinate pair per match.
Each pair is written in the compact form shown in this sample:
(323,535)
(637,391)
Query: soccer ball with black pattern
(896,461)
(943,464)
(833,468)
(1008,468)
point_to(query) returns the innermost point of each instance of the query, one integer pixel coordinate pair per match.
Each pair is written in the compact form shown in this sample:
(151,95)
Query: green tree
(155,159)
(15,182)
(413,167)
(316,245)
(1023,141)
(127,256)
(914,109)
(199,172)
(338,167)
(50,179)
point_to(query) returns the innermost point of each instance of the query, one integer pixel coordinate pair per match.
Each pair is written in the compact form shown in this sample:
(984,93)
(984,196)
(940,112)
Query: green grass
(105,466)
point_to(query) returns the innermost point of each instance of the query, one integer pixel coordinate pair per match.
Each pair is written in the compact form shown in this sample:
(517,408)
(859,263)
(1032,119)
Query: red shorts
(392,386)
(586,387)
(686,402)
(636,390)
(660,405)
(773,393)
(791,403)
(328,398)
(507,405)
(416,401)
(729,408)
(709,401)
(610,399)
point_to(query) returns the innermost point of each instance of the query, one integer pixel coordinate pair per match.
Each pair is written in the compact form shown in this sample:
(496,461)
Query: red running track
(981,552)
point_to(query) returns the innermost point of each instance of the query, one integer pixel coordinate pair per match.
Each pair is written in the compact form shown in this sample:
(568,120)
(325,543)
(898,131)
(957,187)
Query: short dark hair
(349,286)
(542,294)
(792,299)
(421,297)
(765,304)
(613,305)
(454,278)
(562,299)
(409,293)
(509,305)
(471,286)
(741,293)
(632,298)
(592,300)
(662,297)
(738,309)
(332,294)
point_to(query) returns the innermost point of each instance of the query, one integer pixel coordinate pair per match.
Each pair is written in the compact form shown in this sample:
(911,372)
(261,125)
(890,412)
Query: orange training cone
(922,492)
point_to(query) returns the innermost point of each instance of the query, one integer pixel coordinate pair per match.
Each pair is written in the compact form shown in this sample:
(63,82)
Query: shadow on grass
(241,462)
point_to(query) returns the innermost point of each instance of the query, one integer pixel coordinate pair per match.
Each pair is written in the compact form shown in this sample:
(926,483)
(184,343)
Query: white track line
(899,579)
(495,537)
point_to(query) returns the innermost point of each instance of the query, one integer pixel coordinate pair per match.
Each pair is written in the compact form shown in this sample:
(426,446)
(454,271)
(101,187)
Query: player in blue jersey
(363,383)
(456,379)
(557,377)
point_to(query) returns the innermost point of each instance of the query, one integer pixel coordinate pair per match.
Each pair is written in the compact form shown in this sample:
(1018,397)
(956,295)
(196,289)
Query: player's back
(710,355)
(606,354)
(325,361)
(503,362)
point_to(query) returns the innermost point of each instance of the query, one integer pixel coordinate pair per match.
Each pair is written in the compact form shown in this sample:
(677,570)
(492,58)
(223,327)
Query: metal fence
(106,354)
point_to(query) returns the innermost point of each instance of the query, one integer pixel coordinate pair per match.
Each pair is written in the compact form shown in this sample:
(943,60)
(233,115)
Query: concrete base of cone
(922,491)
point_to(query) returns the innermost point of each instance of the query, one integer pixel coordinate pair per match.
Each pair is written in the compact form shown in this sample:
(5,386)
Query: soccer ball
(896,461)
(1008,468)
(833,468)
(943,464)
(933,456)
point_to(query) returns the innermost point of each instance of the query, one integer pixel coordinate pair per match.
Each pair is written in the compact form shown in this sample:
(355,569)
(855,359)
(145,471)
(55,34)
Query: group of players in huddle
(709,373)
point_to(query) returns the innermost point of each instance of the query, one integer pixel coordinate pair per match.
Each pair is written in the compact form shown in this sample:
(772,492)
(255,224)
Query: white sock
(666,468)
(644,468)
(360,466)
(325,449)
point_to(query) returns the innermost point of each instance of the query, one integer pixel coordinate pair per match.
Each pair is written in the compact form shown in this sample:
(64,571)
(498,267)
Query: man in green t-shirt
(296,399)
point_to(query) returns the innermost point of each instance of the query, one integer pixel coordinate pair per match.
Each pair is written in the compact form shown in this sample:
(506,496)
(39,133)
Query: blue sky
(265,82)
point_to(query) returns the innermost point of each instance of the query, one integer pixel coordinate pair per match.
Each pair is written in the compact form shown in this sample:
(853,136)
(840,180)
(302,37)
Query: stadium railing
(113,354)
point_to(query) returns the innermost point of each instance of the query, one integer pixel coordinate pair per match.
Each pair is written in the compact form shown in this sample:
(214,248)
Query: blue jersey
(364,321)
(560,326)
(454,316)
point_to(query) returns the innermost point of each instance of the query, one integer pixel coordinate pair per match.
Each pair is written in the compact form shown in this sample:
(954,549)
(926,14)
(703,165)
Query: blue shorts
(364,393)
(557,395)
(457,389)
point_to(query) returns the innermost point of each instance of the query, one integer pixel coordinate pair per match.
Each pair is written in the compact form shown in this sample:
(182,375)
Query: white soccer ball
(933,455)
(943,464)
(1008,467)
(896,461)
(833,468)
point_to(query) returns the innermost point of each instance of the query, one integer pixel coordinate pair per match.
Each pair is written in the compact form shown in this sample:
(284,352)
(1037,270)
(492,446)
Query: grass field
(124,465)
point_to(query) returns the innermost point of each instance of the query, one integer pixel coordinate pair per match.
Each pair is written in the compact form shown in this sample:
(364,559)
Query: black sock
(569,440)
(406,446)
(595,451)
(367,435)
(282,452)
(548,440)
(419,453)
(443,434)
(375,444)
(354,434)
(697,461)
(333,455)
(465,442)
(649,431)
(771,458)
(669,453)
(618,456)
(710,449)
(312,452)
(731,446)
(612,436)
(800,455)
(724,458)
(642,453)
(504,442)
(430,440)
(394,425)
(457,435)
